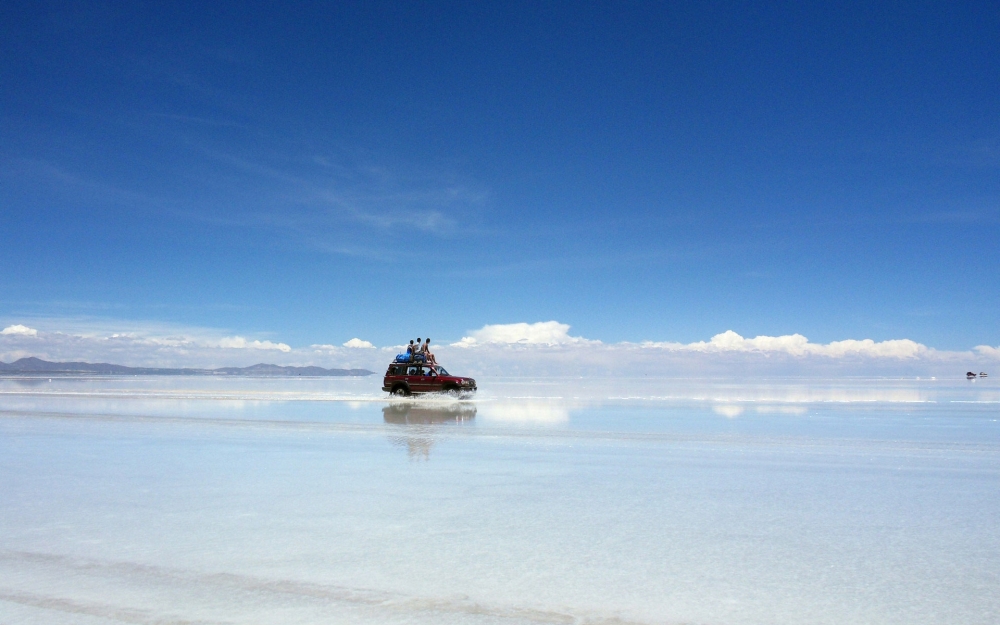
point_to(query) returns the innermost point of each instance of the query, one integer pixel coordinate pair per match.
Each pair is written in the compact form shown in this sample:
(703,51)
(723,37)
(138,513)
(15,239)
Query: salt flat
(170,500)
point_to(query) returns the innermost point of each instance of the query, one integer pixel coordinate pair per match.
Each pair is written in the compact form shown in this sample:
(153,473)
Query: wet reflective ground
(301,501)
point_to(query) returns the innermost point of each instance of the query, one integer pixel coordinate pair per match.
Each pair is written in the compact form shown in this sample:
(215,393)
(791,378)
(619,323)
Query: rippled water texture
(180,500)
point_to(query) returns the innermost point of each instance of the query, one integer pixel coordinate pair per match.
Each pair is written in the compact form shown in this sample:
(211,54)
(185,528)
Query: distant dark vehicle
(415,378)
(970,375)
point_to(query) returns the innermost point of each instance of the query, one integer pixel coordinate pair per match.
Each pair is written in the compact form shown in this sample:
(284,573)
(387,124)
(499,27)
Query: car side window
(413,371)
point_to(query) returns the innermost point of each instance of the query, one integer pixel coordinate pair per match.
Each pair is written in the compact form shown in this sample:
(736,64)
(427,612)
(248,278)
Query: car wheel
(400,391)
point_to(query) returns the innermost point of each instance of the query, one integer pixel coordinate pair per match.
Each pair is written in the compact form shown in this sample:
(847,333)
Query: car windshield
(441,371)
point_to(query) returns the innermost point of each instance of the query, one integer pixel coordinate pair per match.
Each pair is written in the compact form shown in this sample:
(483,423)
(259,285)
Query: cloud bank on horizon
(552,333)
(541,348)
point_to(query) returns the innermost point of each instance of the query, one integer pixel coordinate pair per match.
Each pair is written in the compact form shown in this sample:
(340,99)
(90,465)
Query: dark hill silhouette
(37,365)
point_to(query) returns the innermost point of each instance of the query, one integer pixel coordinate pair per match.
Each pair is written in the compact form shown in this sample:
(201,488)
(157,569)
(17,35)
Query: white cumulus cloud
(19,330)
(798,345)
(986,350)
(238,342)
(357,343)
(540,333)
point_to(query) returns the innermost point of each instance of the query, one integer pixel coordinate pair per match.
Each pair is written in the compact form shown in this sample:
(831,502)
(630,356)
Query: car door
(433,380)
(398,374)
(413,378)
(423,381)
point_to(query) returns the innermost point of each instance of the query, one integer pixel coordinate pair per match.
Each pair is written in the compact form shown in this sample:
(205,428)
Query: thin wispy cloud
(343,207)
(959,216)
(80,186)
(195,119)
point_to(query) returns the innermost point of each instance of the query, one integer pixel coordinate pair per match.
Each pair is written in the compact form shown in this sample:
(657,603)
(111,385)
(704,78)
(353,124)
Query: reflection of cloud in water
(734,391)
(792,410)
(419,421)
(731,411)
(526,412)
(728,410)
(795,395)
(576,392)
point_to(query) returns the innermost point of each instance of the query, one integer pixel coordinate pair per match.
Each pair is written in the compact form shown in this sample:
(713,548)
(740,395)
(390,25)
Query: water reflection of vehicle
(419,437)
(408,413)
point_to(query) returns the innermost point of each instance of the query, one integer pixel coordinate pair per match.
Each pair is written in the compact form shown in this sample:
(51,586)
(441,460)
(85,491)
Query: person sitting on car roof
(411,350)
(426,349)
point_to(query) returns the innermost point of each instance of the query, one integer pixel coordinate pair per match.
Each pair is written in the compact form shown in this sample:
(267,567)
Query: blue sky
(639,171)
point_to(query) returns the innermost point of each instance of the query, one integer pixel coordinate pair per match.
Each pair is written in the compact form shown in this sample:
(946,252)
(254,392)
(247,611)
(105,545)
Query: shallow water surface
(163,500)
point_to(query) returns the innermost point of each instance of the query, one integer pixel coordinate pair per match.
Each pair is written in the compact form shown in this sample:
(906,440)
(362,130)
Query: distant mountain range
(37,365)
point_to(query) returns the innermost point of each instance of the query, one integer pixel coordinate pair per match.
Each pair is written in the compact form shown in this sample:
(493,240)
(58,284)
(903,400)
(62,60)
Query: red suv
(413,378)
